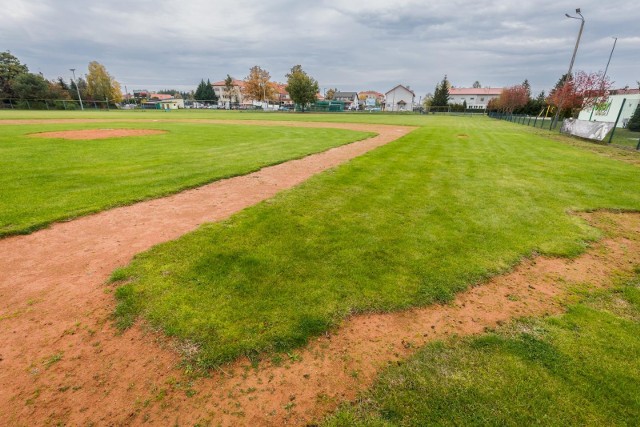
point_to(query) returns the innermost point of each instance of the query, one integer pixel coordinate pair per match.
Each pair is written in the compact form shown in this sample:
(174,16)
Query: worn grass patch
(50,179)
(408,224)
(580,368)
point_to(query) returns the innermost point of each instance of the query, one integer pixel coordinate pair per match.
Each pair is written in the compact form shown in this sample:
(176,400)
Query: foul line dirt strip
(62,362)
(52,290)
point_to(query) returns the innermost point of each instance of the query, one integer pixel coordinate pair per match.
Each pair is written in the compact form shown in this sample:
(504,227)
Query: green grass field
(625,138)
(47,180)
(581,368)
(412,223)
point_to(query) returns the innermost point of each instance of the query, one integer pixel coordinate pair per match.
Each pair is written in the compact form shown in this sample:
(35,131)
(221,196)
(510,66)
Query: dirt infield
(61,361)
(97,133)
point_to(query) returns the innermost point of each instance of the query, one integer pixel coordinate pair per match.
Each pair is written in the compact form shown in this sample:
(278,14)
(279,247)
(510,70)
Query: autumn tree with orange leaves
(512,98)
(581,91)
(257,85)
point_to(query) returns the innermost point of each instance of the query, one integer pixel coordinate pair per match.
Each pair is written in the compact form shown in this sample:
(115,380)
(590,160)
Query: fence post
(638,146)
(529,121)
(535,121)
(624,100)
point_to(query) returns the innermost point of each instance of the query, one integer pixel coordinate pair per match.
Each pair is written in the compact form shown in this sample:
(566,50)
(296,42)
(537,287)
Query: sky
(347,44)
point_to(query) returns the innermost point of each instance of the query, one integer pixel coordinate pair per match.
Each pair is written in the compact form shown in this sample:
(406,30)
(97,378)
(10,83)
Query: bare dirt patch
(61,361)
(98,133)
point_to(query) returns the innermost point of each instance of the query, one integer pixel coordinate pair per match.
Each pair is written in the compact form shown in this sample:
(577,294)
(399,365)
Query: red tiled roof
(160,96)
(624,91)
(371,92)
(235,83)
(280,88)
(475,91)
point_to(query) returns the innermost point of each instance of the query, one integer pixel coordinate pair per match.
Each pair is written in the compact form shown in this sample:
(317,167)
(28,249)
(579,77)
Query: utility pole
(573,58)
(73,70)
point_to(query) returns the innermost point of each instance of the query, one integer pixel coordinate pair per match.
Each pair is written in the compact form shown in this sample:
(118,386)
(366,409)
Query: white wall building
(400,98)
(476,98)
(608,111)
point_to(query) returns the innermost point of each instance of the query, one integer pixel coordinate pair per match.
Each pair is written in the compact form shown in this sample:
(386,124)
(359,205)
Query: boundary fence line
(547,123)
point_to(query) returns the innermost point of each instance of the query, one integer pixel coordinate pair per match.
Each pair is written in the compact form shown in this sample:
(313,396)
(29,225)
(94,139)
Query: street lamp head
(575,17)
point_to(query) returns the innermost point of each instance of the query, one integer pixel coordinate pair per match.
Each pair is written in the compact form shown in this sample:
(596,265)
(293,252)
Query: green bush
(634,121)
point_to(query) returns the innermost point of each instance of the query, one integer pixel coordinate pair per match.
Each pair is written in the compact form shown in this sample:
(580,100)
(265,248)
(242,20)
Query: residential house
(282,96)
(350,99)
(400,98)
(608,111)
(476,98)
(371,99)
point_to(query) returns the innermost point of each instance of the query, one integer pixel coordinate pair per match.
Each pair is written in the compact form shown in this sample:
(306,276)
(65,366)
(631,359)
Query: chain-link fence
(55,104)
(524,119)
(617,136)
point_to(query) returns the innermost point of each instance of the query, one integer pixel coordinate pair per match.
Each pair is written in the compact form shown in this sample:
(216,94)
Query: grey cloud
(352,45)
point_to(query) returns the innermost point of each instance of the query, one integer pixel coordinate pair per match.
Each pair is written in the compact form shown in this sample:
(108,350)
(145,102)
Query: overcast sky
(348,44)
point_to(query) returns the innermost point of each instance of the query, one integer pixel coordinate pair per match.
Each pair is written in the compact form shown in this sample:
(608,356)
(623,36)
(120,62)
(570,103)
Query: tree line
(24,88)
(258,86)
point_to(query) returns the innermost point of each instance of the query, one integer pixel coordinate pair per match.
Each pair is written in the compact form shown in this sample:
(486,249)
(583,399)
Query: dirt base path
(61,361)
(59,358)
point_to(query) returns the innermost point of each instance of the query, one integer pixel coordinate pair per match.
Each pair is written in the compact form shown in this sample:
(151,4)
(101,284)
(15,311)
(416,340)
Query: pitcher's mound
(98,133)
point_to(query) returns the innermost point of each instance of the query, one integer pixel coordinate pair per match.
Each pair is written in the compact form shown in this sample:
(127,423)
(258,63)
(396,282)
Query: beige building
(229,96)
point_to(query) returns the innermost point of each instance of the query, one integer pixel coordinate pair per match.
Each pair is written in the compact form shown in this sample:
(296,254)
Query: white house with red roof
(400,98)
(476,98)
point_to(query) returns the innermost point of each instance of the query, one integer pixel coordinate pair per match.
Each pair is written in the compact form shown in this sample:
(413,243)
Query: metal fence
(619,137)
(54,104)
(524,119)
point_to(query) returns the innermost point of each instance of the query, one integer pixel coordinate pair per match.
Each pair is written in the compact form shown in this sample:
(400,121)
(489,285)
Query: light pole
(73,70)
(604,76)
(573,58)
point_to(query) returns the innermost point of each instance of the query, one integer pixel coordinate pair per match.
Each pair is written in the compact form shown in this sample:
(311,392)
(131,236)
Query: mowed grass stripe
(409,224)
(50,179)
(581,368)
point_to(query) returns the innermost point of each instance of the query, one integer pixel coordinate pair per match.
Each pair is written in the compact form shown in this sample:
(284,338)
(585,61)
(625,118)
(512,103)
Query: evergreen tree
(527,86)
(441,94)
(205,92)
(634,122)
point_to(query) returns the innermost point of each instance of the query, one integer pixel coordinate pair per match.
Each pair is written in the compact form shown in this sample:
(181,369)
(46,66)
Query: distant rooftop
(624,91)
(236,82)
(475,91)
